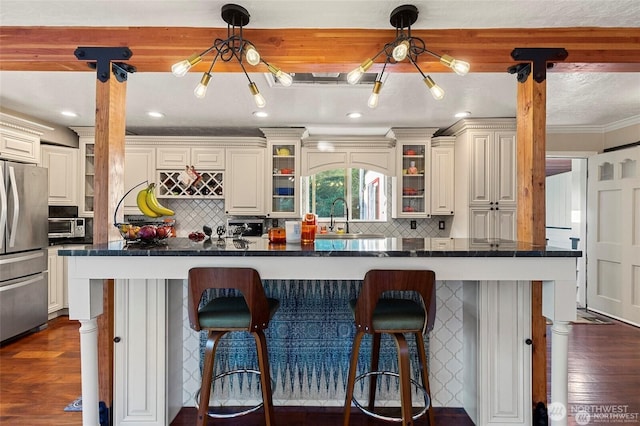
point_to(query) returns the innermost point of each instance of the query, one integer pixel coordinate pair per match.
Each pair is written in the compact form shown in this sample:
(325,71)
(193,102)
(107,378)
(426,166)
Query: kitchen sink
(349,236)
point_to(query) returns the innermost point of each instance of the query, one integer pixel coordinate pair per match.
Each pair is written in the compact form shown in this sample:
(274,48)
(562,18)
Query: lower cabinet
(497,358)
(493,223)
(147,374)
(56,281)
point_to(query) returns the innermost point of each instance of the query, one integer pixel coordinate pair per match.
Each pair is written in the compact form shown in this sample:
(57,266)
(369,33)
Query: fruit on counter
(149,205)
(163,231)
(154,205)
(196,236)
(147,233)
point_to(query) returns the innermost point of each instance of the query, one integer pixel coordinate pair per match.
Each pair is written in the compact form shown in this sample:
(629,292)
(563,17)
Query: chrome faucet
(346,213)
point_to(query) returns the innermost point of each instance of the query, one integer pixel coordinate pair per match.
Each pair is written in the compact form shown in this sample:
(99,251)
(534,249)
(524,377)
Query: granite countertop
(375,247)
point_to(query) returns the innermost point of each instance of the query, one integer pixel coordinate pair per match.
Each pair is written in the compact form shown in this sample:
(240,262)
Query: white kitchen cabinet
(412,182)
(62,163)
(442,175)
(56,281)
(20,139)
(87,170)
(283,172)
(245,186)
(486,178)
(139,166)
(497,352)
(202,158)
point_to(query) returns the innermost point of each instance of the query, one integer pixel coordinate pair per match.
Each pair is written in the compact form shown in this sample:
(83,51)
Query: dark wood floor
(40,375)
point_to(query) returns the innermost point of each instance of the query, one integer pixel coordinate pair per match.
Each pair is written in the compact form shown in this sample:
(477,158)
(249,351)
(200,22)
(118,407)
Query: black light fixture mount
(235,46)
(405,46)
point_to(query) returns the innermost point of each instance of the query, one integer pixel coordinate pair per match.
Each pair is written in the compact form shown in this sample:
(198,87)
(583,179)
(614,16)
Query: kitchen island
(149,283)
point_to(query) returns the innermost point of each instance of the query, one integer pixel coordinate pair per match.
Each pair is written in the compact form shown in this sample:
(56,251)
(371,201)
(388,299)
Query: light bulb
(179,69)
(354,76)
(401,50)
(201,89)
(436,91)
(251,54)
(257,97)
(460,67)
(375,94)
(284,78)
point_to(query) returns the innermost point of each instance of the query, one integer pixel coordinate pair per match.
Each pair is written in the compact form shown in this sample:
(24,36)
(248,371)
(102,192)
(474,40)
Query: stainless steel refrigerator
(23,242)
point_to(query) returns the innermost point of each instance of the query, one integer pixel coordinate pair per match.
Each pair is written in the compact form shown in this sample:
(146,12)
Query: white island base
(496,312)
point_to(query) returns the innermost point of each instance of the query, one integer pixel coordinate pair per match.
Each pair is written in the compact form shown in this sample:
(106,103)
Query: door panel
(613,234)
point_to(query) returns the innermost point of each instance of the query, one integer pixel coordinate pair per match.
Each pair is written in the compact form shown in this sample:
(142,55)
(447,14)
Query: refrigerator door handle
(3,208)
(13,230)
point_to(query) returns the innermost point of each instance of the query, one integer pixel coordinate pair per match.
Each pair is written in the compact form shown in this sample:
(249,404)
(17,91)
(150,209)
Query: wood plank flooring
(40,375)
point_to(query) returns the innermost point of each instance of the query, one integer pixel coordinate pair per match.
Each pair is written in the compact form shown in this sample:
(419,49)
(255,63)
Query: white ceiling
(576,99)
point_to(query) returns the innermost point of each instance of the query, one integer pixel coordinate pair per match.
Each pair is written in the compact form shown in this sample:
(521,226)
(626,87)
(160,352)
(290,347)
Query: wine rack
(170,185)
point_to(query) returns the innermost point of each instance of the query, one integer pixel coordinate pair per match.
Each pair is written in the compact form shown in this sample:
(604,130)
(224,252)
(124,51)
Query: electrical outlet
(414,224)
(441,224)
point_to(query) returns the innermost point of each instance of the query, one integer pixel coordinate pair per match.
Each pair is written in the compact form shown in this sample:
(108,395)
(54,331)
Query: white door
(613,234)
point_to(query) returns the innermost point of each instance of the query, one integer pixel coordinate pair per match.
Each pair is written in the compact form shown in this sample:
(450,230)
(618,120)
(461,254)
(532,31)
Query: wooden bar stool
(375,315)
(222,315)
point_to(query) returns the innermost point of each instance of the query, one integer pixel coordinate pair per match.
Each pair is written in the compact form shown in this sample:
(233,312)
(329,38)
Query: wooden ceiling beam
(155,49)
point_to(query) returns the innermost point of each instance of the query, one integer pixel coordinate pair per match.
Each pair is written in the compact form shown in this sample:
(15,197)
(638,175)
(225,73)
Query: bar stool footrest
(214,415)
(427,401)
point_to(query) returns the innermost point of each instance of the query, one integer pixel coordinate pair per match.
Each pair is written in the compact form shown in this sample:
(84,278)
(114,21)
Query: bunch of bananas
(149,205)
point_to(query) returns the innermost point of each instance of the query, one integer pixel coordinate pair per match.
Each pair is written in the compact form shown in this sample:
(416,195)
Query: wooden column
(531,121)
(109,188)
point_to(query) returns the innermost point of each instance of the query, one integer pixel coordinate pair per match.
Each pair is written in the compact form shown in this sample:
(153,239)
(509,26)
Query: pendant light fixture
(405,46)
(235,46)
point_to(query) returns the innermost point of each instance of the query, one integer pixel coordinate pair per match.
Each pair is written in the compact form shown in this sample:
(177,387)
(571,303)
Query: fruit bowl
(145,233)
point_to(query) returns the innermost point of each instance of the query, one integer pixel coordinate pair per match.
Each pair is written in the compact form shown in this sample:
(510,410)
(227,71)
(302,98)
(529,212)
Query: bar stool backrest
(245,280)
(378,281)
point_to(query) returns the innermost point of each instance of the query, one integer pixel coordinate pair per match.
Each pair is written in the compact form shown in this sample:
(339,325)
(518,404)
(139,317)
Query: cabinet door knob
(497,208)
(528,342)
(116,339)
(490,203)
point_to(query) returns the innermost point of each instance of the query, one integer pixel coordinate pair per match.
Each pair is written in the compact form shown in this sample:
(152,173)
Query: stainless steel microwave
(66,227)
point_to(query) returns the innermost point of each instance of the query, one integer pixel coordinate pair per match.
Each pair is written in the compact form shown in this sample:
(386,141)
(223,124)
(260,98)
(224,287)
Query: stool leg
(207,372)
(265,376)
(373,380)
(353,367)
(425,374)
(404,371)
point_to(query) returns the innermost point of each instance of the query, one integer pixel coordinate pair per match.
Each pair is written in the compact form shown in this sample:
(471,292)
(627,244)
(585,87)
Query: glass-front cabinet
(87,170)
(284,172)
(412,187)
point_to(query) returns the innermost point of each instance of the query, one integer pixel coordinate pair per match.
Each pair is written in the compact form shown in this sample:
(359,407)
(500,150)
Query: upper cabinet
(245,186)
(412,182)
(87,170)
(139,170)
(62,163)
(442,175)
(20,139)
(283,172)
(486,185)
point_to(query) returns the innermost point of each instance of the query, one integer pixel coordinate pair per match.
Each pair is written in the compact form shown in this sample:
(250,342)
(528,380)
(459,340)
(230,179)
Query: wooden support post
(531,133)
(109,188)
(531,121)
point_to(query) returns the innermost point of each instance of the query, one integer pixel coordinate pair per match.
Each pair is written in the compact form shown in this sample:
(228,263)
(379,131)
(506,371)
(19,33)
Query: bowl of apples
(145,232)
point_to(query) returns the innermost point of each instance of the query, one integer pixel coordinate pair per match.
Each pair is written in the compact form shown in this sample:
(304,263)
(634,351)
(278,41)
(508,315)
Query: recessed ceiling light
(67,113)
(354,115)
(462,114)
(260,114)
(155,114)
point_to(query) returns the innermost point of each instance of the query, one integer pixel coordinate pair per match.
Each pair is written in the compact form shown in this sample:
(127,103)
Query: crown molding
(23,125)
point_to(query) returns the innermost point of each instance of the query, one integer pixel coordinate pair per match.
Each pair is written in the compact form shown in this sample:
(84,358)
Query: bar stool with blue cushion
(394,316)
(251,312)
